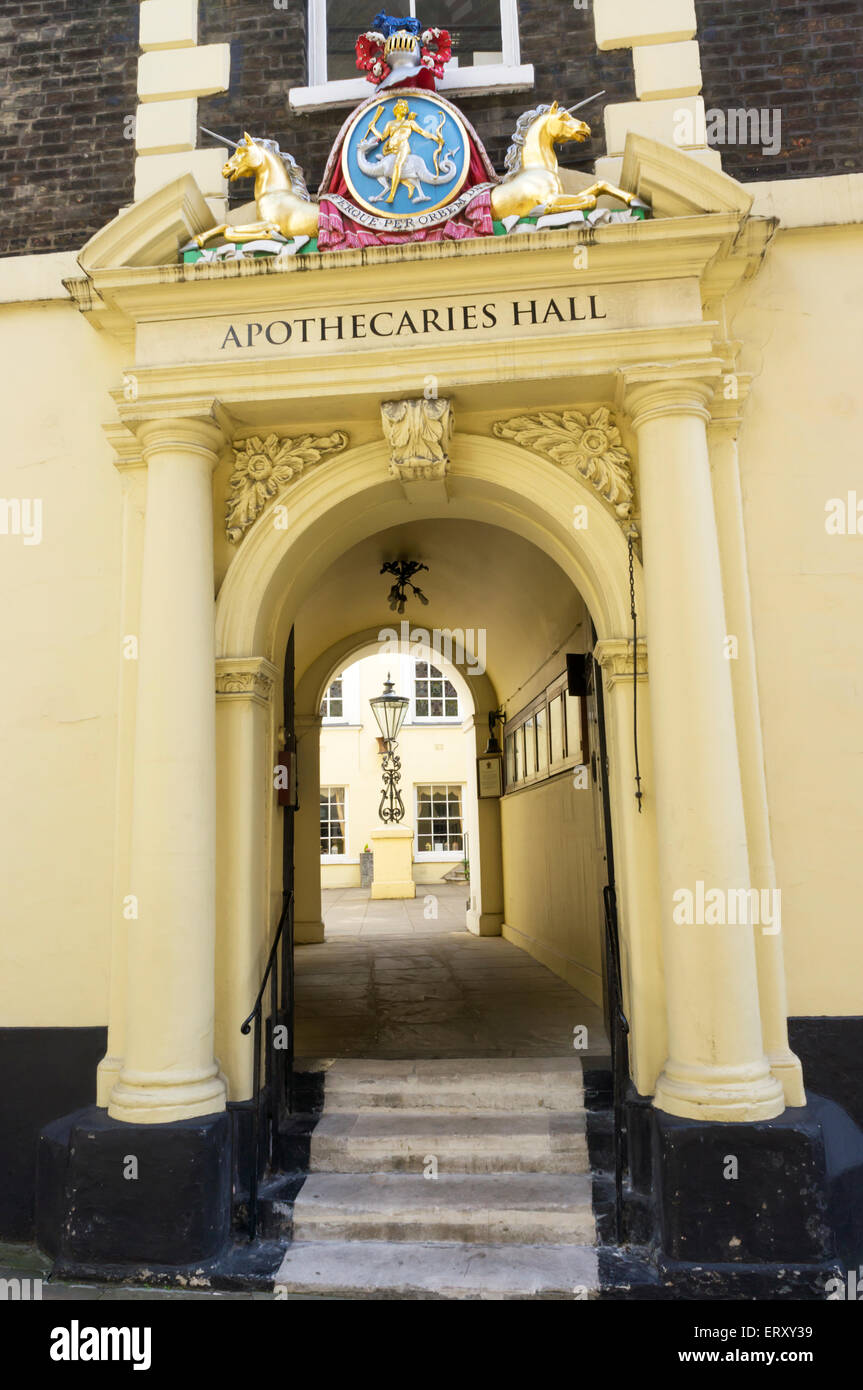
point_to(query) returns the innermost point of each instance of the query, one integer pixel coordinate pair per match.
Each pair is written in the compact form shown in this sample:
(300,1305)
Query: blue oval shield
(405,154)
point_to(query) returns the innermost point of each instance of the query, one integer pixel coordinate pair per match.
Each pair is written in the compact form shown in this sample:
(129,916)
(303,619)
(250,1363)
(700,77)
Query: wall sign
(306,330)
(489,776)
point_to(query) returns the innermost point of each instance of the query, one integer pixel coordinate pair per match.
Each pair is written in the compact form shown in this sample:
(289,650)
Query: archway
(341,507)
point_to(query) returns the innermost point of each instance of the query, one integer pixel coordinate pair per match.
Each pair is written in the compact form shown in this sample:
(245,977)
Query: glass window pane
(346,19)
(451,707)
(573,729)
(529,747)
(437,709)
(518,744)
(422,707)
(475,29)
(541,741)
(510,760)
(555,711)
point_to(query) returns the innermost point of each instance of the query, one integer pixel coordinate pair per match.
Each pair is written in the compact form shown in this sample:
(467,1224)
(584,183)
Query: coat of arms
(411,156)
(407,165)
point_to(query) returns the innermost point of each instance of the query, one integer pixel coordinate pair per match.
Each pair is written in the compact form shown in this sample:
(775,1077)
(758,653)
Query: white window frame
(350,678)
(455,720)
(453,856)
(338,858)
(509,76)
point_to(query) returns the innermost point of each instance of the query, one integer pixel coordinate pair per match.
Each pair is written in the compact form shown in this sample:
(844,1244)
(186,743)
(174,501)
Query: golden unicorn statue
(281,197)
(532,180)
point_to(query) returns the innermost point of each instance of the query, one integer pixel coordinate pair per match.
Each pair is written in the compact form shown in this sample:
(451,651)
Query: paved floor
(438,907)
(388,982)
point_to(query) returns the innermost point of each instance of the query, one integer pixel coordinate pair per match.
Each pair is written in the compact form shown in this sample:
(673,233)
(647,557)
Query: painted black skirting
(831,1050)
(790,1221)
(44,1072)
(109,1192)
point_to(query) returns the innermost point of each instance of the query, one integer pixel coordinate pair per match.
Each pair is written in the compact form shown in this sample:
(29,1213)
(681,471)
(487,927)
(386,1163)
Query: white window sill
(338,859)
(452,721)
(466,82)
(427,856)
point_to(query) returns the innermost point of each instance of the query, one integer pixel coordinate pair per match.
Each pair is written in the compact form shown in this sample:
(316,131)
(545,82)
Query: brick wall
(268,57)
(70,66)
(804,57)
(69,77)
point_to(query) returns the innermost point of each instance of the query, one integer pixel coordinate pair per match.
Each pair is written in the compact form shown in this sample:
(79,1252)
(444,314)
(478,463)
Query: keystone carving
(418,433)
(262,468)
(587,445)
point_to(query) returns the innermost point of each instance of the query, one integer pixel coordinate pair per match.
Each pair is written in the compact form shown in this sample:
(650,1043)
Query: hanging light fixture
(389,710)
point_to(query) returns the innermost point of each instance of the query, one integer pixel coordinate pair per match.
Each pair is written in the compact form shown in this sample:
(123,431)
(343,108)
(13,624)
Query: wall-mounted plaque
(489,776)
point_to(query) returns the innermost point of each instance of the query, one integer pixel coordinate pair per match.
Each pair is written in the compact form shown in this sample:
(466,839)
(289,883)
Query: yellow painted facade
(136,552)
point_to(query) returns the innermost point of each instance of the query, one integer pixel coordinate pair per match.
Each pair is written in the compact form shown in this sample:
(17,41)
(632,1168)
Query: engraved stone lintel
(418,432)
(614,655)
(246,678)
(587,445)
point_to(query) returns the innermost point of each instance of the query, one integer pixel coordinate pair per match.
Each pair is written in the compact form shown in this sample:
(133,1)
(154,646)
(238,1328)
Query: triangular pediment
(674,184)
(150,232)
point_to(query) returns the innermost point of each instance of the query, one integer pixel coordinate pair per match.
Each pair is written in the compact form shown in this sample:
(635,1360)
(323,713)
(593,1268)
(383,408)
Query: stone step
(495,1083)
(484,1208)
(378,1140)
(400,1270)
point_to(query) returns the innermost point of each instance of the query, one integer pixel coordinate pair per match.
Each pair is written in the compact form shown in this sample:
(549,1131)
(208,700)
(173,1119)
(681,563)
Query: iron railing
(619,1034)
(277,1091)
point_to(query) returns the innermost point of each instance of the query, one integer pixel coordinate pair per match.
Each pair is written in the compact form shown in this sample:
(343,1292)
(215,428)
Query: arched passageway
(508,566)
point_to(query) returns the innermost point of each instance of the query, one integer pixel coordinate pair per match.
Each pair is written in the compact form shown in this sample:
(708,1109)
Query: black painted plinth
(91,1211)
(794,1202)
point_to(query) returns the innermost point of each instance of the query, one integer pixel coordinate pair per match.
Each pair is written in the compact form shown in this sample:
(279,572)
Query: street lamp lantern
(389,710)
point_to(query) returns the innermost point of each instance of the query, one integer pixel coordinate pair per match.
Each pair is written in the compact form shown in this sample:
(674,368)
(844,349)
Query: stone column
(308,926)
(169,1071)
(245,759)
(133,476)
(635,855)
(728,502)
(716,1067)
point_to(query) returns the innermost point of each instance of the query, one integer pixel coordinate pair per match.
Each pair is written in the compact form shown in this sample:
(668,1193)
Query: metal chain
(638,792)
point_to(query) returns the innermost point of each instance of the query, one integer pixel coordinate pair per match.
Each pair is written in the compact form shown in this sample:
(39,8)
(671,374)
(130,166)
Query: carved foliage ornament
(587,445)
(418,432)
(262,467)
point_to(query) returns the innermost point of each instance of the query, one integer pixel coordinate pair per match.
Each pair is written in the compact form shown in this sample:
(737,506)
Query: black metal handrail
(278,1087)
(619,1033)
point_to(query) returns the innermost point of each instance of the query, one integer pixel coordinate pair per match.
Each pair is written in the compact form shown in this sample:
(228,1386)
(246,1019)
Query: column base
(308,933)
(144,1100)
(394,888)
(789,1073)
(393,860)
(777,1192)
(485,923)
(720,1094)
(107,1076)
(109,1193)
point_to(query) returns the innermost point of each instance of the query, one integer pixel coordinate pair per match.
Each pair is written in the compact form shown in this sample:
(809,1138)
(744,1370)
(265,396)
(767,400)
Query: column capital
(614,655)
(245,678)
(192,435)
(687,388)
